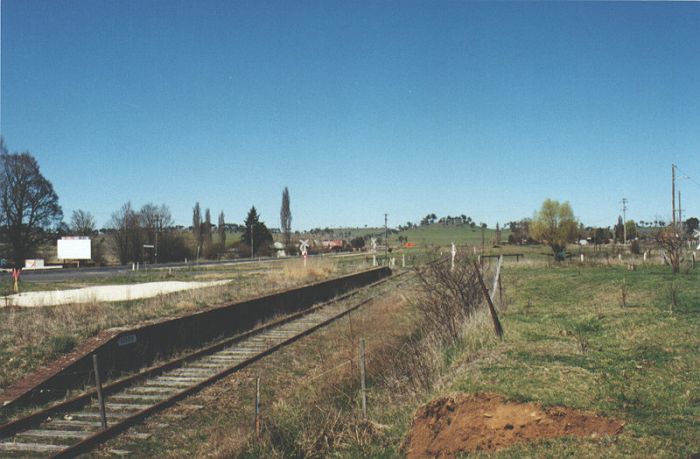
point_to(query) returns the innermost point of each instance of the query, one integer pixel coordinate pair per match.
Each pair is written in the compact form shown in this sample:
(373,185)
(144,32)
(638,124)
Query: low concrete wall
(129,350)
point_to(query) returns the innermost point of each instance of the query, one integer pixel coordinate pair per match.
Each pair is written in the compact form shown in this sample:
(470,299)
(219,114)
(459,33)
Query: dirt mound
(487,422)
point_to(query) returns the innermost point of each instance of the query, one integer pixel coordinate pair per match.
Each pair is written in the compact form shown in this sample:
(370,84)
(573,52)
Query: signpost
(373,242)
(453,252)
(304,249)
(16,273)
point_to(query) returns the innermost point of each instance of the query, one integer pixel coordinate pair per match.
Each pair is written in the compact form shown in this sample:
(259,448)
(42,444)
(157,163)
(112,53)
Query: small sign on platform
(126,339)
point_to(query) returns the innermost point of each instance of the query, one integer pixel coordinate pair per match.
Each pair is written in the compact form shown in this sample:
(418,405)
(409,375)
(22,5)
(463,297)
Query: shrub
(635,248)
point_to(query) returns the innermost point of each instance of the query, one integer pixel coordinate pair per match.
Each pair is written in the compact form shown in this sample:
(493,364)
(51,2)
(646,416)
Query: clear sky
(360,107)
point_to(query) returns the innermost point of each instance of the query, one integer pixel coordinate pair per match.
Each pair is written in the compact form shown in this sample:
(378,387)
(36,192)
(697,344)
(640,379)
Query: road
(65,274)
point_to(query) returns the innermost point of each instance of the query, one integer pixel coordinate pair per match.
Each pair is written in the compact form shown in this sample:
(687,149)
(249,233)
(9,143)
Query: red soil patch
(487,422)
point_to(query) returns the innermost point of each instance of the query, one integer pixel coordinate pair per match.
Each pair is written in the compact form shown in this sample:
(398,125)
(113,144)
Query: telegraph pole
(386,238)
(673,192)
(624,221)
(680,212)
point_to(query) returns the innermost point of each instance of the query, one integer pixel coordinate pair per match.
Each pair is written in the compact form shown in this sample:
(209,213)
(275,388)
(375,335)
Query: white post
(453,252)
(403,260)
(645,255)
(619,256)
(581,258)
(374,260)
(133,266)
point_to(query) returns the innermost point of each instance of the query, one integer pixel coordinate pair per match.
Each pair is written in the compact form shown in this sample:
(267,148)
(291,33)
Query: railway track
(74,426)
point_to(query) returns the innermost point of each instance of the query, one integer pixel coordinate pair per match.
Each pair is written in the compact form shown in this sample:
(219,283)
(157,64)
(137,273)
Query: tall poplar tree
(286,218)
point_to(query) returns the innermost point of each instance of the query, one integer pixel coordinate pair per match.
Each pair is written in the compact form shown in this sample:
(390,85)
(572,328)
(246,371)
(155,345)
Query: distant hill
(443,235)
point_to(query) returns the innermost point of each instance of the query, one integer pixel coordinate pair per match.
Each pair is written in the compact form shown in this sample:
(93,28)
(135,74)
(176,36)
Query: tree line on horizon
(30,216)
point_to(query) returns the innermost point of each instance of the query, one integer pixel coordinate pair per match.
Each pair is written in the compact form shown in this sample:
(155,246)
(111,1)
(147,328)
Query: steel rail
(88,442)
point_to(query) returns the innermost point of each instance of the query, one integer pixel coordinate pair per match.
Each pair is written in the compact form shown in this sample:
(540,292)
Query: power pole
(624,221)
(673,192)
(680,213)
(386,238)
(483,238)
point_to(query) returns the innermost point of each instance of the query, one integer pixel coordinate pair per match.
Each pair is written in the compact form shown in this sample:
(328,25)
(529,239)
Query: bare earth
(487,422)
(102,293)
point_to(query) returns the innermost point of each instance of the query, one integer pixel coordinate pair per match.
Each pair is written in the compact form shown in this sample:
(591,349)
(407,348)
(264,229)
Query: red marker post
(16,273)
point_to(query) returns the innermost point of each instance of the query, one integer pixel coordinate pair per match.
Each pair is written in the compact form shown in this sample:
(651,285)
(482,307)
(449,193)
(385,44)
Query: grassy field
(594,336)
(569,341)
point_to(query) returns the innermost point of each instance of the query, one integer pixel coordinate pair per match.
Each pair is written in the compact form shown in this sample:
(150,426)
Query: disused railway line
(74,426)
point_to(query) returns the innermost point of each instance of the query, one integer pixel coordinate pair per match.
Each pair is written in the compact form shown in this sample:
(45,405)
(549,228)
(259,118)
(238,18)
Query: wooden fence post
(100,398)
(362,378)
(496,323)
(257,407)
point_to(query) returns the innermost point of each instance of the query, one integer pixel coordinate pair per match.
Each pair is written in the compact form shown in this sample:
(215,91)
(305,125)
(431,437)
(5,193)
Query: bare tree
(670,240)
(125,231)
(222,232)
(82,223)
(286,218)
(28,203)
(153,219)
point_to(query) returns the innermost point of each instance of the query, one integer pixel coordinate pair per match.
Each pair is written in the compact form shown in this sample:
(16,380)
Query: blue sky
(360,108)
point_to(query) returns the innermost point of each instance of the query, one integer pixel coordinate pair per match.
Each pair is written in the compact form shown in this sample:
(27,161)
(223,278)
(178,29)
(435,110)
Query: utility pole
(680,213)
(386,239)
(673,192)
(624,221)
(483,238)
(252,241)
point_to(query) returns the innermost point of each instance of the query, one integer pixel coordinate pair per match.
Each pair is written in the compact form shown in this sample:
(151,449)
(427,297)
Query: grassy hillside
(443,235)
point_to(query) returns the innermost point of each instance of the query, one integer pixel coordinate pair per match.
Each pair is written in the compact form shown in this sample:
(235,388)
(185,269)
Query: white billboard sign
(74,248)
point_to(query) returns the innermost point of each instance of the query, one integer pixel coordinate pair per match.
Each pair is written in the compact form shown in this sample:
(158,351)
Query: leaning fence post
(494,317)
(257,407)
(100,398)
(362,378)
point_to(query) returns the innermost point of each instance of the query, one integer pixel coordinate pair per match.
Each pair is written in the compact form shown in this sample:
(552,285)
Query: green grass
(639,363)
(443,235)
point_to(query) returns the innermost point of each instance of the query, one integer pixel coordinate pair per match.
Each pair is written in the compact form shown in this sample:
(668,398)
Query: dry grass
(316,268)
(32,337)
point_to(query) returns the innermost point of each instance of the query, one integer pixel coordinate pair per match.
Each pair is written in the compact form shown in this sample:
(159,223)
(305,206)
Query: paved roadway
(63,274)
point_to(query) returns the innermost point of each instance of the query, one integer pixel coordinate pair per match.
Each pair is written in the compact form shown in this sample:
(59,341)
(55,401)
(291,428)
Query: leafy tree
(28,203)
(519,231)
(601,235)
(631,228)
(619,230)
(555,225)
(286,218)
(82,223)
(691,225)
(197,226)
(261,236)
(358,242)
(206,234)
(221,228)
